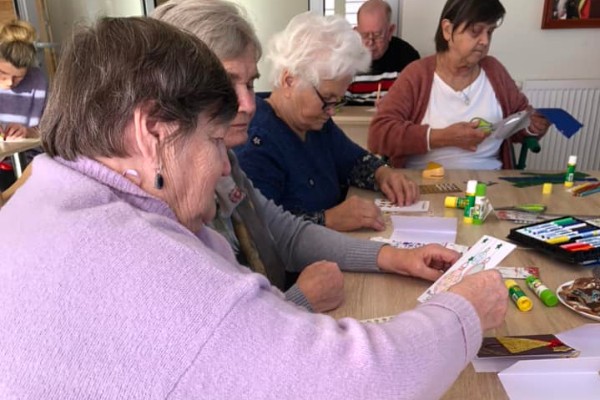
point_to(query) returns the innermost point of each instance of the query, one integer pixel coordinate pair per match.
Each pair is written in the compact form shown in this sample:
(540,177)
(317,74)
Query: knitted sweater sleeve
(396,130)
(285,353)
(301,243)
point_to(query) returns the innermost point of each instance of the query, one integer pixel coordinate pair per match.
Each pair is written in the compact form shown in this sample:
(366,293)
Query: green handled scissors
(484,125)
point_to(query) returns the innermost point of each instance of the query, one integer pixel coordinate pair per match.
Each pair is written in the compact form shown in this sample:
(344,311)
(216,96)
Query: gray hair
(375,5)
(102,79)
(221,24)
(314,48)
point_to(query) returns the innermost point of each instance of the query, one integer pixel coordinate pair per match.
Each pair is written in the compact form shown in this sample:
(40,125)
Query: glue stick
(455,202)
(471,188)
(518,297)
(546,295)
(570,175)
(478,213)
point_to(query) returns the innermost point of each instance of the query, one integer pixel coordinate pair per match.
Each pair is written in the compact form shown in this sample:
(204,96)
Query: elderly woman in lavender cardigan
(112,286)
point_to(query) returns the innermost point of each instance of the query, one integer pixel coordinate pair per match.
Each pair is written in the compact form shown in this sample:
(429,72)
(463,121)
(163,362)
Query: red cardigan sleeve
(395,130)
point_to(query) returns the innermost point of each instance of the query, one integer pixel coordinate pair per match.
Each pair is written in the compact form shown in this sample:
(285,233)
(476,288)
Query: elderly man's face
(376,32)
(243,73)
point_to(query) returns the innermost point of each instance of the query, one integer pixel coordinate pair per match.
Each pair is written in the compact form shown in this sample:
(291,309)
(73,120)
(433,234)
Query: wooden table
(354,121)
(13,148)
(376,295)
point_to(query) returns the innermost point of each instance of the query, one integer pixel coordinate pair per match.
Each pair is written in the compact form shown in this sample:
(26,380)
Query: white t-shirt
(448,106)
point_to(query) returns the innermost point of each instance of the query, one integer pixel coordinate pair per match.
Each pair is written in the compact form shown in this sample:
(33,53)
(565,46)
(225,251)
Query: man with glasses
(390,54)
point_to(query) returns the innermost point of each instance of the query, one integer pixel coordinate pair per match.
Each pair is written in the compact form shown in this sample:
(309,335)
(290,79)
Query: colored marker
(577,246)
(564,221)
(588,192)
(566,238)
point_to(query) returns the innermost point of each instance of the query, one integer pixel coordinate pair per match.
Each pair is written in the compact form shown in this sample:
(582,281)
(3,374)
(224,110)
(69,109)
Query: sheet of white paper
(485,254)
(387,206)
(563,378)
(511,125)
(492,364)
(423,229)
(585,338)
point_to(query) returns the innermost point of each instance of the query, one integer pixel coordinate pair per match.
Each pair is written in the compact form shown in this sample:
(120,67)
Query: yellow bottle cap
(547,188)
(568,184)
(524,304)
(450,201)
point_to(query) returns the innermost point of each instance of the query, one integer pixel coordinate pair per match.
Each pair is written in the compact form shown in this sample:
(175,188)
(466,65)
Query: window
(349,8)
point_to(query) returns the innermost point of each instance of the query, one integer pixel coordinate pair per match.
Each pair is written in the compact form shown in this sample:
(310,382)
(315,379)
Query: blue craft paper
(564,122)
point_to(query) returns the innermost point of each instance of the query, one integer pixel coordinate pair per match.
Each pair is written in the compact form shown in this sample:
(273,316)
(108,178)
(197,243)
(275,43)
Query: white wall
(62,14)
(527,51)
(269,17)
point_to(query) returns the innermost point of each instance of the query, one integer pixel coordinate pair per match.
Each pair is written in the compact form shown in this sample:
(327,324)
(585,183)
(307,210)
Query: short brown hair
(467,12)
(110,69)
(16,44)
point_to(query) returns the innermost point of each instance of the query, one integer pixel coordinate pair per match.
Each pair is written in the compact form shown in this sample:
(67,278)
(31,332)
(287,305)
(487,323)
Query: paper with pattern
(485,254)
(387,206)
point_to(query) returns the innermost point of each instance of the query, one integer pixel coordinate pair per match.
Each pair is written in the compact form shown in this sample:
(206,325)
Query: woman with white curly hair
(296,155)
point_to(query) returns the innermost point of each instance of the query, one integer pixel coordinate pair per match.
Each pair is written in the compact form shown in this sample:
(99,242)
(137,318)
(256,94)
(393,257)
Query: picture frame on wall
(569,14)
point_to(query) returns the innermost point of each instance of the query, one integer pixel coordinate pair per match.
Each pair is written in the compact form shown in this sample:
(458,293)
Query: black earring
(159,181)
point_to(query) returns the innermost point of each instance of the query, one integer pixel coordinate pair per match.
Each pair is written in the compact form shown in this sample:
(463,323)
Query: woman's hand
(538,124)
(427,262)
(322,283)
(18,131)
(485,290)
(354,213)
(465,135)
(396,186)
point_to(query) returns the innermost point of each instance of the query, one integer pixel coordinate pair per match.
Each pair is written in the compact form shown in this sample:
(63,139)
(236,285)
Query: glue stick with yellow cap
(518,296)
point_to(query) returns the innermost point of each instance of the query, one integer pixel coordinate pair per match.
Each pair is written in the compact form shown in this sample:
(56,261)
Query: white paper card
(585,338)
(423,229)
(485,254)
(387,206)
(562,378)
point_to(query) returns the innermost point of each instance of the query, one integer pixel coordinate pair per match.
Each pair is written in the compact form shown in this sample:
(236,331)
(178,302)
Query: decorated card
(387,206)
(413,245)
(485,254)
(529,346)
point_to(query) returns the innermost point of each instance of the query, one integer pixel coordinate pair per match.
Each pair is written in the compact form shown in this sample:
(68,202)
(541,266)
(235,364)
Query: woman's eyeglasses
(329,105)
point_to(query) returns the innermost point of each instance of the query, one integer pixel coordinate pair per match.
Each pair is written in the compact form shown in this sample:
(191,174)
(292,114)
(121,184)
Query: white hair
(314,48)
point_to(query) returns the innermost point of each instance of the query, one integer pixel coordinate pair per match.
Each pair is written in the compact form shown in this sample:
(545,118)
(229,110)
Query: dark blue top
(304,177)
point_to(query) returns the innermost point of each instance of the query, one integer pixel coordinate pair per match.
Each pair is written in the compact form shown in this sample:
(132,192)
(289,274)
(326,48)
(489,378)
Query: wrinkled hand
(427,262)
(465,135)
(396,186)
(486,292)
(354,213)
(15,131)
(322,283)
(538,124)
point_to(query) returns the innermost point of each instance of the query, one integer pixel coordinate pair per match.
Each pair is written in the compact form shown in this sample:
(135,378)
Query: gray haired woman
(296,155)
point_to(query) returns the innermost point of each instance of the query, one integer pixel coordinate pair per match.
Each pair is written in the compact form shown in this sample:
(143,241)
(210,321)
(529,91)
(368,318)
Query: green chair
(529,144)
